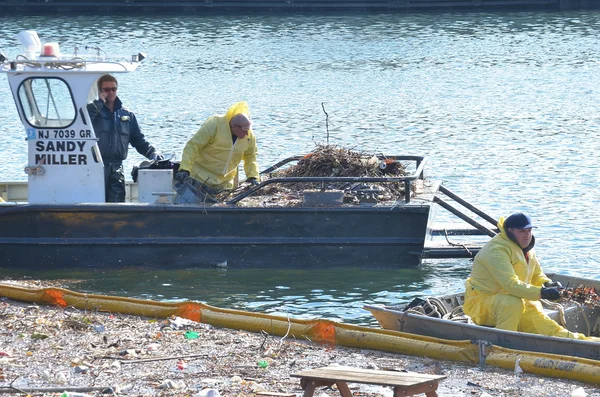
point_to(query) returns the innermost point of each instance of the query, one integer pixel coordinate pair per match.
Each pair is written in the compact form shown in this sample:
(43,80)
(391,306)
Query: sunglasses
(242,128)
(109,89)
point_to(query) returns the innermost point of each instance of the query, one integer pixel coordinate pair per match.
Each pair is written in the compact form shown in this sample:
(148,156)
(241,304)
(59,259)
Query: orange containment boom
(319,331)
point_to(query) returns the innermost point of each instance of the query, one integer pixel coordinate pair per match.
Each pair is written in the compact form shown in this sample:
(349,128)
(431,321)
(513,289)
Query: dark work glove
(182,175)
(252,181)
(552,294)
(555,284)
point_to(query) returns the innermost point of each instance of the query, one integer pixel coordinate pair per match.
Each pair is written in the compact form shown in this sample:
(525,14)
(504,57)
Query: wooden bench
(404,383)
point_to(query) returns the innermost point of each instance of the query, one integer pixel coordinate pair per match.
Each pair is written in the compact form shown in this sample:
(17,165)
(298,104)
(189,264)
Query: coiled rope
(434,307)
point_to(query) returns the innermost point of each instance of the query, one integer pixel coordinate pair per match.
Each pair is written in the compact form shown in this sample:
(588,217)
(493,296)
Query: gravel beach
(69,352)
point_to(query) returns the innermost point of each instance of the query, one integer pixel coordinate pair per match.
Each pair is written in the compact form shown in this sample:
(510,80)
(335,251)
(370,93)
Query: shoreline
(47,346)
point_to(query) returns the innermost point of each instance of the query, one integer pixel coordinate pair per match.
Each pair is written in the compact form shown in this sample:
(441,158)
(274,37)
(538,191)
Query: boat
(58,218)
(449,322)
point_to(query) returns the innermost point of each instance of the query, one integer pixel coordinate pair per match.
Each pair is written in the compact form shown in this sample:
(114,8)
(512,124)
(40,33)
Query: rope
(456,244)
(434,307)
(585,317)
(457,314)
(558,307)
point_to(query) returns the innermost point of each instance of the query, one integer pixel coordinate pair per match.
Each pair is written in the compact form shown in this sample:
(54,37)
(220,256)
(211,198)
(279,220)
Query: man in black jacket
(116,128)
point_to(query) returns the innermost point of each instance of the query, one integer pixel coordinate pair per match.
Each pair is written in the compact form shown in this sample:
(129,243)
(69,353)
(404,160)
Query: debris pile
(586,296)
(332,161)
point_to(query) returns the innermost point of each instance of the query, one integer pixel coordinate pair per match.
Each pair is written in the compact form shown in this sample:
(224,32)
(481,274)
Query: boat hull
(398,320)
(106,235)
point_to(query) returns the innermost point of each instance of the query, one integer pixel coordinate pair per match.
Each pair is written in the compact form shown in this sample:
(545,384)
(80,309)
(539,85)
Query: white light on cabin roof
(30,40)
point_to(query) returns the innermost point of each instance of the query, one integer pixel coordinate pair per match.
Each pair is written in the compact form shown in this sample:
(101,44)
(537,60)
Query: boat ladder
(459,249)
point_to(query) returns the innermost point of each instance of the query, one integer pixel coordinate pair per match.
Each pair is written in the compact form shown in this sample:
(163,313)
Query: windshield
(47,102)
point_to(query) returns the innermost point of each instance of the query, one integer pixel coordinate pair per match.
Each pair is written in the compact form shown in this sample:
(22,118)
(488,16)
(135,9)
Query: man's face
(240,129)
(523,236)
(109,91)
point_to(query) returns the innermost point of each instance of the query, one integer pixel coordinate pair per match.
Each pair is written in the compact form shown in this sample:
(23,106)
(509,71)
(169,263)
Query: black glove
(555,284)
(182,175)
(252,181)
(552,294)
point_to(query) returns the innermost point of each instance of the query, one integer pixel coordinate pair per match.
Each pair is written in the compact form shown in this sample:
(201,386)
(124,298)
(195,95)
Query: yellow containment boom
(319,331)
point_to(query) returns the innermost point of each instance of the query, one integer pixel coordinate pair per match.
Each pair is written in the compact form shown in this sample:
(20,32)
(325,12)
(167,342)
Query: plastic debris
(579,392)
(518,369)
(81,369)
(153,347)
(61,378)
(178,322)
(263,364)
(207,393)
(171,384)
(191,335)
(257,387)
(99,328)
(128,352)
(181,365)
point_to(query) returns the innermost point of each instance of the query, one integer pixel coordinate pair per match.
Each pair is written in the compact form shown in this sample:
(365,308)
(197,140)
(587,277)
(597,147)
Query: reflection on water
(505,105)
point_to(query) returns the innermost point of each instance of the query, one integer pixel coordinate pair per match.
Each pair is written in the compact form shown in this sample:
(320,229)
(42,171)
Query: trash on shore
(139,356)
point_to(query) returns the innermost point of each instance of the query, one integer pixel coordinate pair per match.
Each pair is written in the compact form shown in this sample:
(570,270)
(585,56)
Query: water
(505,105)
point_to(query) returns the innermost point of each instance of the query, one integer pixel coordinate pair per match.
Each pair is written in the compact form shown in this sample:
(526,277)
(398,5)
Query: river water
(505,105)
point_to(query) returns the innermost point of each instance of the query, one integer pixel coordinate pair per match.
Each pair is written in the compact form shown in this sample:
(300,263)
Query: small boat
(442,318)
(58,217)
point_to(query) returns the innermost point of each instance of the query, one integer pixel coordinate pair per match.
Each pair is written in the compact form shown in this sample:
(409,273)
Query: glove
(552,294)
(555,284)
(157,157)
(252,181)
(182,175)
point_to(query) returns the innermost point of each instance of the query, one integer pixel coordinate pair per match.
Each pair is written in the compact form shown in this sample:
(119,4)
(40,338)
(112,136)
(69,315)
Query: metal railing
(407,180)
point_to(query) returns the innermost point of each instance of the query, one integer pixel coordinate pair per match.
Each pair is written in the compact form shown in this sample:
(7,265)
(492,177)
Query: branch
(53,389)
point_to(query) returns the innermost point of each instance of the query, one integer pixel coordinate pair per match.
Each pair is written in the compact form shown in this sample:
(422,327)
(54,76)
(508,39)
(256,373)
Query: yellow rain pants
(212,158)
(503,290)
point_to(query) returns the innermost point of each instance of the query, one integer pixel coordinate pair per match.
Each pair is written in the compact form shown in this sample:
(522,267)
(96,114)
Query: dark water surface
(505,105)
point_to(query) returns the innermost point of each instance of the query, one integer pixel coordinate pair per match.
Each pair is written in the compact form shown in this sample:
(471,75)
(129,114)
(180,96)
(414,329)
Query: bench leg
(309,386)
(344,389)
(309,390)
(428,388)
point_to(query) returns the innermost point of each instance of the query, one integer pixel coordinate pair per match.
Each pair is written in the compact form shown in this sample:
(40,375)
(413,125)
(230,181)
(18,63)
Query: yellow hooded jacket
(212,158)
(501,268)
(504,290)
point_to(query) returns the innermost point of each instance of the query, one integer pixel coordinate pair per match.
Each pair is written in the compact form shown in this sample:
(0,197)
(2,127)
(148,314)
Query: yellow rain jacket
(504,288)
(212,158)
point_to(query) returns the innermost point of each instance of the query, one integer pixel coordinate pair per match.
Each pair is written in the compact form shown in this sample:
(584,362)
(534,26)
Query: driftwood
(146,360)
(8,389)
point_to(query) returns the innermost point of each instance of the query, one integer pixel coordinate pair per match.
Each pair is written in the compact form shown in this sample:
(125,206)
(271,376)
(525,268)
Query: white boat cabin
(51,91)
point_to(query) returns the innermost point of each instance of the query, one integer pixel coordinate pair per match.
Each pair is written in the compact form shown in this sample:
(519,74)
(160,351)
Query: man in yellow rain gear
(507,282)
(211,157)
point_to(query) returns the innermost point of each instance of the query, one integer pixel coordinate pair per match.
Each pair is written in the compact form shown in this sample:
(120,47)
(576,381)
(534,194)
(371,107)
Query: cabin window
(47,102)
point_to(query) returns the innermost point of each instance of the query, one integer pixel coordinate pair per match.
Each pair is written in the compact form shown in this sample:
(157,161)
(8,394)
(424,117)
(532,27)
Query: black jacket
(116,130)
